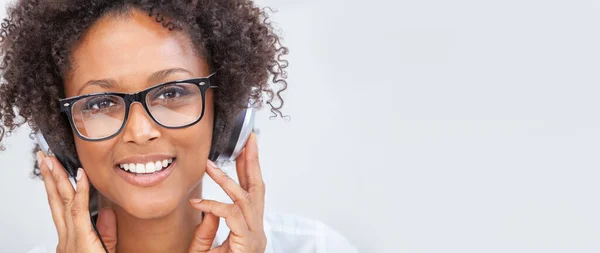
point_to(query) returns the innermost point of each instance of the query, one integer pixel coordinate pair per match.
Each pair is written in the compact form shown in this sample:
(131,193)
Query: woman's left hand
(244,217)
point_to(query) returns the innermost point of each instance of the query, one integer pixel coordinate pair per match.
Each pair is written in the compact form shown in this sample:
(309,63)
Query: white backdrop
(418,126)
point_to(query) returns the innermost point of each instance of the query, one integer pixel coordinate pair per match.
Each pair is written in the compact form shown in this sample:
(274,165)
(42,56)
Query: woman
(145,163)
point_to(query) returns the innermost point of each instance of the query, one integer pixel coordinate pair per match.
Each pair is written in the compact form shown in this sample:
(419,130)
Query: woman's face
(129,51)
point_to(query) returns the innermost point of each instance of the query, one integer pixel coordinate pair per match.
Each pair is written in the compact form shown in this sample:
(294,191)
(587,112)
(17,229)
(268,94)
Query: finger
(256,185)
(234,191)
(231,213)
(107,228)
(240,167)
(205,233)
(66,191)
(56,206)
(80,209)
(223,248)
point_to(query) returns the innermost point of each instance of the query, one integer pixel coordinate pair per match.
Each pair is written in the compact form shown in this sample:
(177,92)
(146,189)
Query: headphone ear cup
(69,163)
(242,127)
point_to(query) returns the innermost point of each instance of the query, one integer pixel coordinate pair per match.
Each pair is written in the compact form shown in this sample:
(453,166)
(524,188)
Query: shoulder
(295,234)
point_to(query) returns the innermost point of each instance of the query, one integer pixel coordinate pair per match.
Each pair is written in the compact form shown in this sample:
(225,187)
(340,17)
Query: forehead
(128,50)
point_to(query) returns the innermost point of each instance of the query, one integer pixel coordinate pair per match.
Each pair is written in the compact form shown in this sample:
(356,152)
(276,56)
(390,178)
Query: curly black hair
(38,37)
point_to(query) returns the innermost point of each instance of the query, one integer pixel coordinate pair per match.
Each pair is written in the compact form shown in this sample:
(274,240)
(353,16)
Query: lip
(145,180)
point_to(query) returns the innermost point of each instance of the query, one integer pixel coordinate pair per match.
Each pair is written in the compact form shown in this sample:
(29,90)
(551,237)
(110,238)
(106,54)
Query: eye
(99,103)
(170,92)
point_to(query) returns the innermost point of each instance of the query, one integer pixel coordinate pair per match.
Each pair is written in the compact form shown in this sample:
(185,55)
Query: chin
(151,206)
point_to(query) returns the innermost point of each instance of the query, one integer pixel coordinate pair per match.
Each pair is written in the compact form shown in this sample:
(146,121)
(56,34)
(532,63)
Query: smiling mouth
(146,168)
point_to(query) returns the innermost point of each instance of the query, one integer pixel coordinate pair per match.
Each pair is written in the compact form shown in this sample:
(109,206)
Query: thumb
(107,228)
(205,233)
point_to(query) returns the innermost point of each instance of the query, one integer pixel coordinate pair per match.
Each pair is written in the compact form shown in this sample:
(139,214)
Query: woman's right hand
(71,214)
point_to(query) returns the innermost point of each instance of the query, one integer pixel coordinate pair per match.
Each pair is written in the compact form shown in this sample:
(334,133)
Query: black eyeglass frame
(203,83)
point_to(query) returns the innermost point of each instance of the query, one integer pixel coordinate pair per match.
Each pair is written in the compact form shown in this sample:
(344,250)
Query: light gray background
(418,126)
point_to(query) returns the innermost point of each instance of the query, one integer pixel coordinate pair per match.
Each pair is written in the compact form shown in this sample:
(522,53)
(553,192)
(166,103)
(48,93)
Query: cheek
(193,144)
(95,157)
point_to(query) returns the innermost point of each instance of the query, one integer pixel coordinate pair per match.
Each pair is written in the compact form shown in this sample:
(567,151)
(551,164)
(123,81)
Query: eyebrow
(155,77)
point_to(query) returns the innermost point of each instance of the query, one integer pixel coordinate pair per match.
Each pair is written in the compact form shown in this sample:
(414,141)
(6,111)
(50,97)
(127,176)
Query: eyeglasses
(175,104)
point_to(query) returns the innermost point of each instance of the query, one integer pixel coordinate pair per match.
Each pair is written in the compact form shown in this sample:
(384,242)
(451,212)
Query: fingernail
(211,164)
(79,174)
(38,157)
(48,163)
(255,139)
(195,201)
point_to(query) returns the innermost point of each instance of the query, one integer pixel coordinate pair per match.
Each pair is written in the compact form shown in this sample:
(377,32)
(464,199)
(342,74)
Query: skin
(165,217)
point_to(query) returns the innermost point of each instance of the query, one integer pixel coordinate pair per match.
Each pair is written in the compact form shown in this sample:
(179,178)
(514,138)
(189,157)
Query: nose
(140,128)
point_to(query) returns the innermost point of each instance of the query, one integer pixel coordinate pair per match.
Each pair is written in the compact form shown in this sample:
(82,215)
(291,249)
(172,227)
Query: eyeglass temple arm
(211,78)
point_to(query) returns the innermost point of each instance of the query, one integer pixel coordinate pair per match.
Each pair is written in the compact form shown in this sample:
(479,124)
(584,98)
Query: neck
(171,233)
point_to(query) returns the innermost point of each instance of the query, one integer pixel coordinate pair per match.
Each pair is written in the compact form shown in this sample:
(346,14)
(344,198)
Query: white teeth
(149,167)
(140,168)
